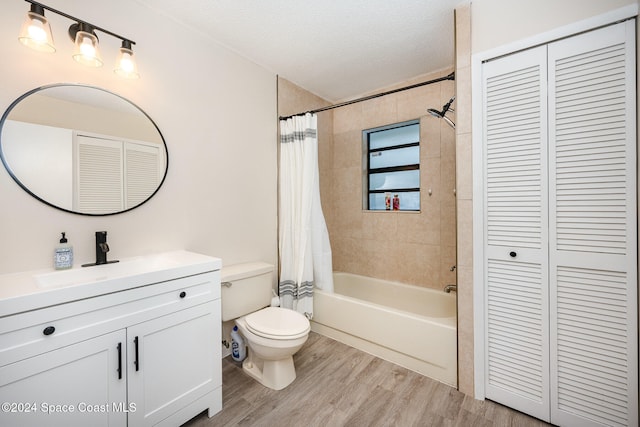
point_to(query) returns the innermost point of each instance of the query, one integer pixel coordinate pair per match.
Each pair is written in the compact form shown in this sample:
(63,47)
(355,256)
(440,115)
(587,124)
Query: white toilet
(273,334)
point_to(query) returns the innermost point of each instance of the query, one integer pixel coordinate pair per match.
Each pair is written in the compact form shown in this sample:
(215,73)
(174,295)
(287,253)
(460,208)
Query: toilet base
(273,374)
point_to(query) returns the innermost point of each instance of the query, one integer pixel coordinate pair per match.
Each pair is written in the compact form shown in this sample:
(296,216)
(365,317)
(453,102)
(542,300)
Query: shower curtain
(305,251)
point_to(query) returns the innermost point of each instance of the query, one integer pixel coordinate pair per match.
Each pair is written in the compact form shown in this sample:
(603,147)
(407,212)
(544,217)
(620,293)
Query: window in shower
(392,180)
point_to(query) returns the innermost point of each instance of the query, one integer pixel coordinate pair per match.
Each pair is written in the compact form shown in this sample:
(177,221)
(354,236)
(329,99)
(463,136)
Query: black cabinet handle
(135,362)
(512,254)
(49,330)
(119,360)
(183,294)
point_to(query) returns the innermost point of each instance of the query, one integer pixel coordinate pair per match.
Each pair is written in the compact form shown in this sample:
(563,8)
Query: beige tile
(348,149)
(347,118)
(413,104)
(447,142)
(377,257)
(379,111)
(447,91)
(429,137)
(409,263)
(448,229)
(465,330)
(448,168)
(465,233)
(379,226)
(464,167)
(421,228)
(337,252)
(326,190)
(348,181)
(447,262)
(293,99)
(430,205)
(463,35)
(351,223)
(463,100)
(430,179)
(423,264)
(344,253)
(325,152)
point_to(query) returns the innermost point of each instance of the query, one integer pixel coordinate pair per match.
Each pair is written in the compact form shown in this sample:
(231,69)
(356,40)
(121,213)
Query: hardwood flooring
(337,385)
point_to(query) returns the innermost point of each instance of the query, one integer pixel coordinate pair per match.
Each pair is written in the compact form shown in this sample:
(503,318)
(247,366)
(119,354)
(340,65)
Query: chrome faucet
(101,250)
(450,288)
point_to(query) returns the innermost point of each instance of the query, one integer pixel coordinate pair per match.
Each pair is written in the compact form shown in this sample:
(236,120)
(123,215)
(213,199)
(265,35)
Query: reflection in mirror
(82,149)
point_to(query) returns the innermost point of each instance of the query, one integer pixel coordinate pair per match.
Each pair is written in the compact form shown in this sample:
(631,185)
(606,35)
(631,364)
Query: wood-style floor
(337,385)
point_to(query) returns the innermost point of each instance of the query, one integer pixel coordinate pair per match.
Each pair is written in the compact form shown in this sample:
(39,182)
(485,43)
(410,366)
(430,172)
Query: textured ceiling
(337,49)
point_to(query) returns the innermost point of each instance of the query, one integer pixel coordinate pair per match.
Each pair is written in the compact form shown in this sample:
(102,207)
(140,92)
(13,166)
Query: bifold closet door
(593,245)
(560,262)
(516,238)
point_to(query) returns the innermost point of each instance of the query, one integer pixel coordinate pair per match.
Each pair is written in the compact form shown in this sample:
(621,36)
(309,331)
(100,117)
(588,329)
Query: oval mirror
(82,149)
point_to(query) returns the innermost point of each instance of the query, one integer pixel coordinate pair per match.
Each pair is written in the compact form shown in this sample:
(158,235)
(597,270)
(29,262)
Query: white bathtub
(408,325)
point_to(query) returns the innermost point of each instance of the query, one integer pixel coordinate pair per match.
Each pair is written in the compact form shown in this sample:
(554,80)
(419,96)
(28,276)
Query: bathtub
(408,325)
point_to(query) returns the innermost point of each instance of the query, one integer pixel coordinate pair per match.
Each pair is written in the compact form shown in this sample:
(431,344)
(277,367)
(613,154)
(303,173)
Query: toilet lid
(277,322)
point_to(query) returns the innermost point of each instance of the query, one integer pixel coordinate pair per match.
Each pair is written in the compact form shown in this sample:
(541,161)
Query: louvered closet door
(516,270)
(593,253)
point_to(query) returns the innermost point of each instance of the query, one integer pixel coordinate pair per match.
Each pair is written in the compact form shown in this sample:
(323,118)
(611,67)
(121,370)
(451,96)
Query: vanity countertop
(31,290)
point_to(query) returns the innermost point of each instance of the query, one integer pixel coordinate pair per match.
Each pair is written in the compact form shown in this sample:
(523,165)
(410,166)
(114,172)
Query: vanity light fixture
(36,34)
(36,31)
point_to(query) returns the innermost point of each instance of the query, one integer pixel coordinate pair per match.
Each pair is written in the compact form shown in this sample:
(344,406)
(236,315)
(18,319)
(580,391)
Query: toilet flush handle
(226,284)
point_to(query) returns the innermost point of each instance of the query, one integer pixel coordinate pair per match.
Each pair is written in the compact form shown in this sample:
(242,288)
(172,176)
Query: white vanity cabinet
(142,356)
(173,358)
(50,388)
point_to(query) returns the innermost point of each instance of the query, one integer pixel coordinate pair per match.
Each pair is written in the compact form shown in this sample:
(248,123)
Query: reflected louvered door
(516,270)
(593,253)
(142,172)
(98,177)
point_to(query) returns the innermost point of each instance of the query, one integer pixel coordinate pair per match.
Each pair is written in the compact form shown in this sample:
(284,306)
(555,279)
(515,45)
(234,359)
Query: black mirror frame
(15,178)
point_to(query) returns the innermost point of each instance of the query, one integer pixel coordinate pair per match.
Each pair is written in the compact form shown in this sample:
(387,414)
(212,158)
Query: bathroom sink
(173,264)
(96,273)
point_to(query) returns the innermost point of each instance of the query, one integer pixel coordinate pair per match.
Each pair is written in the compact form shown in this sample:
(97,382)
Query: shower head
(435,113)
(449,122)
(442,114)
(446,106)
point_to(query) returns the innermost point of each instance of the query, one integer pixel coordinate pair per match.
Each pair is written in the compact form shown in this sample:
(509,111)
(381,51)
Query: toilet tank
(245,288)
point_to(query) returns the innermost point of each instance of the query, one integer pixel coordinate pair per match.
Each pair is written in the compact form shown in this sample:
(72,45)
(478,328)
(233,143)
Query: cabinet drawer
(35,332)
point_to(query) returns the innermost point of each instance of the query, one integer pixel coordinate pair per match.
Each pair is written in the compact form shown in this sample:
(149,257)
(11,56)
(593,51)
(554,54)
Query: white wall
(498,22)
(216,110)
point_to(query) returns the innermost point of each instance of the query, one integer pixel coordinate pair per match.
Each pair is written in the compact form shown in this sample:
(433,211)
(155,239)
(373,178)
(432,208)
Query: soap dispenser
(63,255)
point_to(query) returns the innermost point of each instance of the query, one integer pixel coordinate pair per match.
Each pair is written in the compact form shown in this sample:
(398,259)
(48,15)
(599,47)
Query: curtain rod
(377,95)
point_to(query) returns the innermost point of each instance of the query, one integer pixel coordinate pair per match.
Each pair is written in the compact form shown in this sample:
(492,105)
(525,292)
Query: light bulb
(37,32)
(126,64)
(86,49)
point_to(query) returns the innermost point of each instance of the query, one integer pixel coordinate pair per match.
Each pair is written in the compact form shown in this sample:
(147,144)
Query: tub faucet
(101,250)
(450,288)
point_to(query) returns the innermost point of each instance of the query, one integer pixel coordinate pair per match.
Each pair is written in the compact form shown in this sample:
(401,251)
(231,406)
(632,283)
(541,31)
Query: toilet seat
(277,323)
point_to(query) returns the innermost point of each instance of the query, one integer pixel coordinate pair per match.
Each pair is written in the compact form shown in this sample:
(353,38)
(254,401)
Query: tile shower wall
(411,247)
(464,199)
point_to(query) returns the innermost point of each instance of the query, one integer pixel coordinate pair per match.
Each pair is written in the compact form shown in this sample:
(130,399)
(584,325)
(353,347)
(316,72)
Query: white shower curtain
(305,252)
